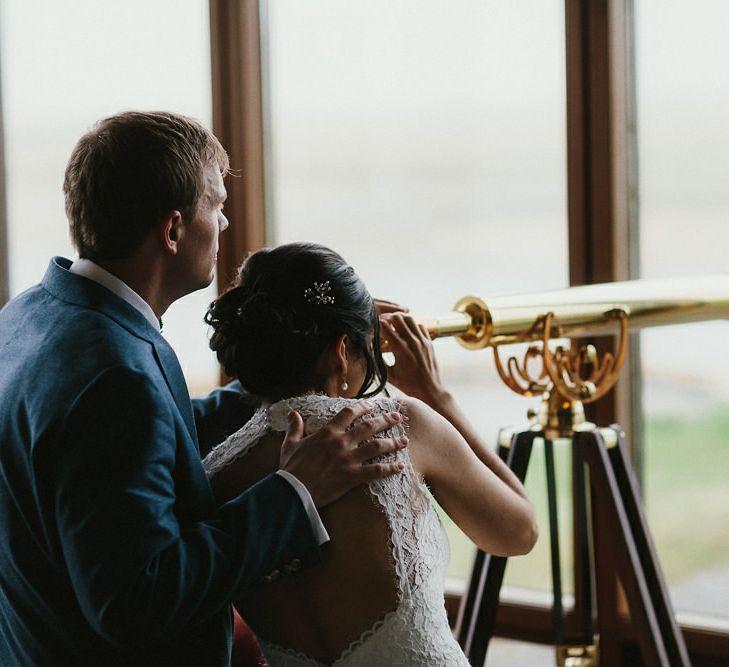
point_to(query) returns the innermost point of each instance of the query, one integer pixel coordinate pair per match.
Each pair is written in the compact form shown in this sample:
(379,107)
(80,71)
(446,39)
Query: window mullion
(602,207)
(238,123)
(4,270)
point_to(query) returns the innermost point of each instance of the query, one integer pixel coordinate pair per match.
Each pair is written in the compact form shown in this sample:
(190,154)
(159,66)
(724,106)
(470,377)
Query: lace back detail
(417,631)
(237,445)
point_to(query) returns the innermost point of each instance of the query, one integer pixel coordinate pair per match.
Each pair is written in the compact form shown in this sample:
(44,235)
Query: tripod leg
(475,582)
(474,590)
(557,610)
(614,522)
(607,594)
(477,623)
(584,608)
(630,493)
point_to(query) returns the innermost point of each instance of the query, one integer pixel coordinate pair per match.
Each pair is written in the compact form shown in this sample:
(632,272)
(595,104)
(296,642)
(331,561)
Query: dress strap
(238,444)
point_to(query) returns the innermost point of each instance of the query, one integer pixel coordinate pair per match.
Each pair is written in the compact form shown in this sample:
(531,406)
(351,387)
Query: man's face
(199,249)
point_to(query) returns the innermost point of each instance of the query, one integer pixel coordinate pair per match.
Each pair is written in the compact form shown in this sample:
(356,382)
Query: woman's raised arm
(472,484)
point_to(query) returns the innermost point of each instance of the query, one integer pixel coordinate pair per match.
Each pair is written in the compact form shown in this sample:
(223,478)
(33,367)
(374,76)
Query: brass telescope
(583,311)
(609,525)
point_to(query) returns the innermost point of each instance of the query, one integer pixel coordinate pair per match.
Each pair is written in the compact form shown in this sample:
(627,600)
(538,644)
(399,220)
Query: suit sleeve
(221,413)
(138,573)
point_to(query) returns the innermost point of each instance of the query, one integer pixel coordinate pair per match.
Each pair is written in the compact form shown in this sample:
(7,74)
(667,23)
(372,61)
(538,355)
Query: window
(64,66)
(684,149)
(427,146)
(335,64)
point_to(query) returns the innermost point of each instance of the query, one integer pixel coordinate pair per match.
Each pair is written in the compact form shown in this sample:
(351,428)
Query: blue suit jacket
(112,550)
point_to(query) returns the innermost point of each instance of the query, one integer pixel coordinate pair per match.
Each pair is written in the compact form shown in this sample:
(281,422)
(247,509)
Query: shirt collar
(92,271)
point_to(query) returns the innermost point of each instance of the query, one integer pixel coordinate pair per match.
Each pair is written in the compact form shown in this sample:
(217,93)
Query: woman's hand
(382,307)
(450,459)
(415,371)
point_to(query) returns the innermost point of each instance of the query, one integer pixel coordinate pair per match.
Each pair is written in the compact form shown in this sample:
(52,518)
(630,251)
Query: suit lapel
(170,366)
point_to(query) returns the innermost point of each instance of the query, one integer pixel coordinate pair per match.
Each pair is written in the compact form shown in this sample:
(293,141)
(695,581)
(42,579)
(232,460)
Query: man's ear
(171,230)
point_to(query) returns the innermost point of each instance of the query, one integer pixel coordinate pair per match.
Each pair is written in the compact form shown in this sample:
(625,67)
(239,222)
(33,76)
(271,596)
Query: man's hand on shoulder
(335,459)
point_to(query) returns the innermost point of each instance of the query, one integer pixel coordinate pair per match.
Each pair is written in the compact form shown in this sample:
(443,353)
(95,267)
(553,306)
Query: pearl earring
(345,386)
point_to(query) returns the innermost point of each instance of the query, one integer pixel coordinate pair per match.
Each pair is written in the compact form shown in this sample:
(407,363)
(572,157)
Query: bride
(299,330)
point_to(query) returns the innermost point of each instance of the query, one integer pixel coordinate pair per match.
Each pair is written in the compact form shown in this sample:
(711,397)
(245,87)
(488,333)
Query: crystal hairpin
(319,294)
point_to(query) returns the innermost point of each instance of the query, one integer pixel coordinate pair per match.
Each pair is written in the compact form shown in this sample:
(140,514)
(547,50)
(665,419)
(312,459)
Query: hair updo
(271,336)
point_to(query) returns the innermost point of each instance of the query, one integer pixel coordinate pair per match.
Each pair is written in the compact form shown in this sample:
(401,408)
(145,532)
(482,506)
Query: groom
(113,551)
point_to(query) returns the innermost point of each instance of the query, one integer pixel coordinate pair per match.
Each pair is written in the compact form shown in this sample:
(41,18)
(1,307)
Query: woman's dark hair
(273,323)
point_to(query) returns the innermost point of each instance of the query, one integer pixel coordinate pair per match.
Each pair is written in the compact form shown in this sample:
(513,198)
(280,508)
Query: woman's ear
(171,229)
(333,367)
(341,356)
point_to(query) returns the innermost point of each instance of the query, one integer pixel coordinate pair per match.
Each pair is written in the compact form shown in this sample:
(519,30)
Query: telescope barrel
(583,311)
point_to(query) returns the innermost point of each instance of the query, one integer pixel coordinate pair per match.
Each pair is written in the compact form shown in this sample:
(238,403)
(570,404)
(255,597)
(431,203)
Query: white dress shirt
(92,271)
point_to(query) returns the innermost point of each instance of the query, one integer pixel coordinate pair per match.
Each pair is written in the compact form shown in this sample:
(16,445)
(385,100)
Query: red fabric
(246,651)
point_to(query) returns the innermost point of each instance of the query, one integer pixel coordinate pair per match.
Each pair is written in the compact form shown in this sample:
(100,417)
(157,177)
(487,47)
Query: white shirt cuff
(316,525)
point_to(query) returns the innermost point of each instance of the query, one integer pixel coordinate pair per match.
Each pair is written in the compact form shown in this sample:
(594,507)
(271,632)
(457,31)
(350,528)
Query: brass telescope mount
(611,534)
(560,381)
(566,377)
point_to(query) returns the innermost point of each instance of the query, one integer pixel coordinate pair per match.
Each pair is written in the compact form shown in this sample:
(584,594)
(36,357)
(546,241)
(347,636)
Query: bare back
(386,545)
(356,565)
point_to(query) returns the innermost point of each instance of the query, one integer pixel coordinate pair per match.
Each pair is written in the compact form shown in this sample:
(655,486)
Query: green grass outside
(686,491)
(686,495)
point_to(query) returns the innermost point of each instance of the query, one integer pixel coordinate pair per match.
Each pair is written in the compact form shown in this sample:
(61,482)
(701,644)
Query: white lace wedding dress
(416,632)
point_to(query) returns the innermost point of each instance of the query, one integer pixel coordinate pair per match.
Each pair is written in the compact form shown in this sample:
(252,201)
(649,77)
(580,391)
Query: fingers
(294,435)
(370,427)
(344,418)
(409,328)
(342,421)
(420,331)
(403,327)
(382,306)
(338,457)
(391,334)
(373,471)
(408,339)
(385,330)
(379,446)
(295,431)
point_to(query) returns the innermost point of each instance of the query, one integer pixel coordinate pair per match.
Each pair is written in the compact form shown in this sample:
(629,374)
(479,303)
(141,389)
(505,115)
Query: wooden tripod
(615,545)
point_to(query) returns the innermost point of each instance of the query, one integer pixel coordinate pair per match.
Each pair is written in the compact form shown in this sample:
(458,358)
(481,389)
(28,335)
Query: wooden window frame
(602,209)
(235,42)
(4,252)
